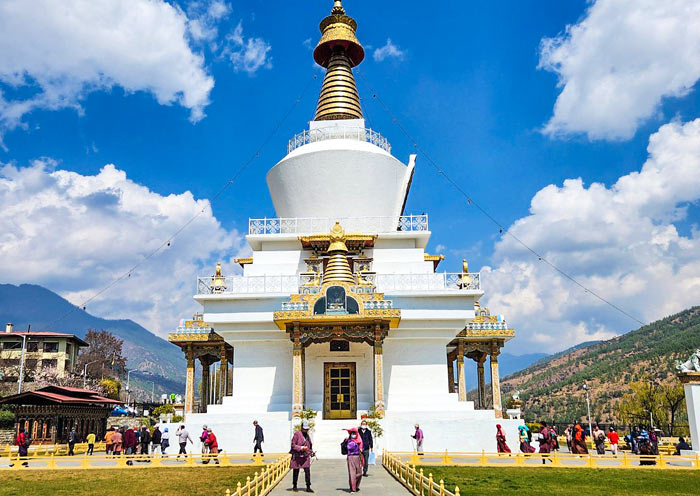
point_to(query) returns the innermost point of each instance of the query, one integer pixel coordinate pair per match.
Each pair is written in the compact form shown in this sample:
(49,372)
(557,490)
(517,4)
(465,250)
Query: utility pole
(588,406)
(21,361)
(85,372)
(153,390)
(128,389)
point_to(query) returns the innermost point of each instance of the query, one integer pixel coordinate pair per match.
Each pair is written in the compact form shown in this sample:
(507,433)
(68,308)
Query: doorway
(339,391)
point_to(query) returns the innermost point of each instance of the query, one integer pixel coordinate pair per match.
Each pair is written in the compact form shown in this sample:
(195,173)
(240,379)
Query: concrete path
(330,477)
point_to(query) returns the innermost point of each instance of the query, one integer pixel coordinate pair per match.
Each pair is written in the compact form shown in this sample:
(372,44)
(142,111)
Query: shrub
(7,419)
(163,410)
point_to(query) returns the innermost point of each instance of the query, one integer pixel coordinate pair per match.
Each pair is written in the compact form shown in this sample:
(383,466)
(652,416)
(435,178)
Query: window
(69,348)
(32,346)
(340,345)
(9,362)
(12,345)
(50,348)
(49,364)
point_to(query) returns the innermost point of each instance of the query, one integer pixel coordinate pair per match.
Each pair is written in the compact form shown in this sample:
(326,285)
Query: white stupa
(340,310)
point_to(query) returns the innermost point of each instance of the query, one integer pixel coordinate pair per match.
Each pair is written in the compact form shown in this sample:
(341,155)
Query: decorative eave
(354,242)
(436,259)
(486,333)
(184,338)
(283,318)
(689,377)
(243,261)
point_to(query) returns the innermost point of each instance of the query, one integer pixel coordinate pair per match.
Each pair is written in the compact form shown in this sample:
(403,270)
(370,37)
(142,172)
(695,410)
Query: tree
(673,397)
(111,387)
(104,355)
(645,401)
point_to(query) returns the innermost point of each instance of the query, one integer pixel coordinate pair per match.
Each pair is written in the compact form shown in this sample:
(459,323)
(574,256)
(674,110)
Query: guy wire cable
(470,201)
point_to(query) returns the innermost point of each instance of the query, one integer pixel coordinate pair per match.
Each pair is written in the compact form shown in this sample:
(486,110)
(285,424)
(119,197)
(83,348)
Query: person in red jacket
(22,443)
(212,446)
(614,439)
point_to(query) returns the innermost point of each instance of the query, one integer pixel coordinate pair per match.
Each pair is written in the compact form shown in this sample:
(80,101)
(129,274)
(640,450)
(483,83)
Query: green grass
(192,481)
(508,481)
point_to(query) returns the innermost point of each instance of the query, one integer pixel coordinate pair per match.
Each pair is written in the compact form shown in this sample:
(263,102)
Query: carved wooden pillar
(223,373)
(378,371)
(495,382)
(450,374)
(481,382)
(206,379)
(189,382)
(297,373)
(229,388)
(461,376)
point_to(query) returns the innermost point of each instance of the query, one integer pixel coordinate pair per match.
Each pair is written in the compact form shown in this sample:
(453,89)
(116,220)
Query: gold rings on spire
(338,268)
(339,51)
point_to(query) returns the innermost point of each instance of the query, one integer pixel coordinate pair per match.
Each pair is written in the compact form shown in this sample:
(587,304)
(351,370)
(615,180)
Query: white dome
(339,178)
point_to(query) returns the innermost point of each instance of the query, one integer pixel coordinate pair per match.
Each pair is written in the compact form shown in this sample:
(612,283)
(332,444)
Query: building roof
(45,334)
(59,395)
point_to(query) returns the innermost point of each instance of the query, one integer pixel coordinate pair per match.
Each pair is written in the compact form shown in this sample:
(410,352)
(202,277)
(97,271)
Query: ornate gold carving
(243,261)
(689,377)
(487,333)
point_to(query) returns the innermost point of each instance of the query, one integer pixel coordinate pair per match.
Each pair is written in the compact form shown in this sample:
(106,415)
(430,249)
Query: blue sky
(470,81)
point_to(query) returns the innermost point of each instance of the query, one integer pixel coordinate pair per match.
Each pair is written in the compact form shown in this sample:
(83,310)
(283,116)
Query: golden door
(339,393)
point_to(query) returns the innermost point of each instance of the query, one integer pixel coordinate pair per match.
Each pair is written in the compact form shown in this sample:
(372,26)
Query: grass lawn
(508,481)
(192,481)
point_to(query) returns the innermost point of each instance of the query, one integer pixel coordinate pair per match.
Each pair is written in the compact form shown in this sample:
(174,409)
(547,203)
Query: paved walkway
(330,477)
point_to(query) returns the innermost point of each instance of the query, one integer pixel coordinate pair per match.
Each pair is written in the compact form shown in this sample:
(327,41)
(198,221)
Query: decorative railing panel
(250,284)
(353,133)
(322,225)
(428,282)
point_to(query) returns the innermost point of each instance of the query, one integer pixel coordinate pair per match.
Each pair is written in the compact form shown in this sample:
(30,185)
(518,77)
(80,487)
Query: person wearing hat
(203,439)
(301,451)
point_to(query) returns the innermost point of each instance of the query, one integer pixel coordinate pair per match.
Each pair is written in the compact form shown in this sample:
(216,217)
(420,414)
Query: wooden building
(49,413)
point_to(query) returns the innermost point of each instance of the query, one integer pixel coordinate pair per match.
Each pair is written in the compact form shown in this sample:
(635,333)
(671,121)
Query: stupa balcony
(363,134)
(321,225)
(456,283)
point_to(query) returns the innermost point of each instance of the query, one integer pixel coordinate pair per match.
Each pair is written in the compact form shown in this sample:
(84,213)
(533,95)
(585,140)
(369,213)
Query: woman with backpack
(22,442)
(352,447)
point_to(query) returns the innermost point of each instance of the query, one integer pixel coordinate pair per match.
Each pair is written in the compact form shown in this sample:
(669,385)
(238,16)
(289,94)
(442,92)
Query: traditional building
(48,414)
(340,310)
(42,349)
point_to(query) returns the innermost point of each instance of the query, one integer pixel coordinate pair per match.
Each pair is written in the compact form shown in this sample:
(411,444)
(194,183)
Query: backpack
(27,441)
(344,447)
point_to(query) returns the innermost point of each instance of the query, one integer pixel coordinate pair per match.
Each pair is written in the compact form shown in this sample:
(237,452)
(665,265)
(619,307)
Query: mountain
(510,364)
(551,388)
(156,359)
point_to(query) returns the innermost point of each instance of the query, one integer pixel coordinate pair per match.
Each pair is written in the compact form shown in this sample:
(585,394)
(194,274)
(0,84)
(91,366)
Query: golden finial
(465,267)
(339,51)
(338,267)
(218,282)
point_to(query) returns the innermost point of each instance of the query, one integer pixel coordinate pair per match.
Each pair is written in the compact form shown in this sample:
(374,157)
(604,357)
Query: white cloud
(618,63)
(620,241)
(204,19)
(389,50)
(247,54)
(75,233)
(52,54)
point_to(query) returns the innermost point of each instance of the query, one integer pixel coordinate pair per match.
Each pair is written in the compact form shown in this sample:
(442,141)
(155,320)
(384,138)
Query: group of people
(357,447)
(134,441)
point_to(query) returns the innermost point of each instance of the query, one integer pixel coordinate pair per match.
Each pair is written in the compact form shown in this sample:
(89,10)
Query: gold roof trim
(436,259)
(487,333)
(243,260)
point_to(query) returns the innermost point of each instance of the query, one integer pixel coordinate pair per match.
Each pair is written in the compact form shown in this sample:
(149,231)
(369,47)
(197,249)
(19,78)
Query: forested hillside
(552,388)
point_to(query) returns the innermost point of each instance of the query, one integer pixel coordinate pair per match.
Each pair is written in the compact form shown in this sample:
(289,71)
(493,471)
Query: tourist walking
(117,442)
(418,436)
(555,439)
(501,444)
(164,440)
(367,445)
(22,442)
(144,440)
(524,434)
(545,441)
(203,439)
(182,437)
(353,448)
(258,438)
(108,441)
(91,443)
(156,439)
(72,439)
(212,447)
(302,451)
(129,442)
(578,441)
(569,435)
(614,439)
(599,440)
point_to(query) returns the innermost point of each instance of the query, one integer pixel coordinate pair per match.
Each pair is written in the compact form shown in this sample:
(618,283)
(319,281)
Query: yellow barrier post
(238,489)
(483,458)
(247,484)
(456,490)
(446,459)
(442,487)
(421,483)
(430,484)
(228,493)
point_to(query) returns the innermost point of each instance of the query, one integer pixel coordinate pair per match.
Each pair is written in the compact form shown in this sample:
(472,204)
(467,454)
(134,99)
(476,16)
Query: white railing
(319,225)
(353,133)
(249,284)
(384,282)
(289,305)
(491,326)
(379,305)
(428,282)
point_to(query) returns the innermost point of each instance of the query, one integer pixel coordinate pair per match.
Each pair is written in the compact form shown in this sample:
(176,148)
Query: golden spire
(338,268)
(338,51)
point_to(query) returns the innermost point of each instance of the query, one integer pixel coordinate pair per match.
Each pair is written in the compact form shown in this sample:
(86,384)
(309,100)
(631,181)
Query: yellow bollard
(256,483)
(247,484)
(421,482)
(228,493)
(238,489)
(442,487)
(456,490)
(430,483)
